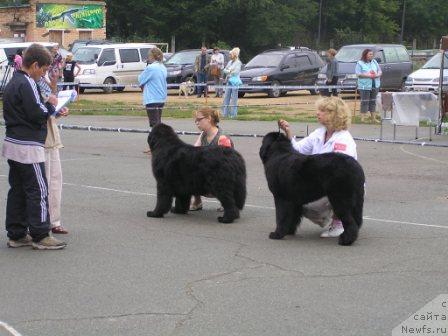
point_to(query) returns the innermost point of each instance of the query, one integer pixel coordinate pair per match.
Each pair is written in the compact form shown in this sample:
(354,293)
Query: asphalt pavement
(125,274)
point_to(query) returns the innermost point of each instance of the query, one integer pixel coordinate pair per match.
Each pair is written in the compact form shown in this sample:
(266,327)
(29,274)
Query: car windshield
(186,57)
(349,54)
(434,62)
(86,55)
(264,61)
(78,45)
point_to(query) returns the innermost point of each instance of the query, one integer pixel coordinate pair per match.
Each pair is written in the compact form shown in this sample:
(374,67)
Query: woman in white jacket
(232,72)
(334,116)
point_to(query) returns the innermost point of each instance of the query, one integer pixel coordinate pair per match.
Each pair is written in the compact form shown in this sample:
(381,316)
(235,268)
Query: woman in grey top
(332,73)
(207,120)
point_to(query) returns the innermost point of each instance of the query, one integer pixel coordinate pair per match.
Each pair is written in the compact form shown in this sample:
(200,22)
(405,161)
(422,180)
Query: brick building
(61,21)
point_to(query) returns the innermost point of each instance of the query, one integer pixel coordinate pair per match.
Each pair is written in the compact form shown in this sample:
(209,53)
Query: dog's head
(271,141)
(161,134)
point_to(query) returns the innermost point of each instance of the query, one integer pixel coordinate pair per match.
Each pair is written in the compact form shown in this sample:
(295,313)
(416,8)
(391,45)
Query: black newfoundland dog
(182,170)
(295,179)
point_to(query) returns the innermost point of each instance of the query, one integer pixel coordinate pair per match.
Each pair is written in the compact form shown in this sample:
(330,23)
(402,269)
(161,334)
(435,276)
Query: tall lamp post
(320,22)
(403,15)
(444,48)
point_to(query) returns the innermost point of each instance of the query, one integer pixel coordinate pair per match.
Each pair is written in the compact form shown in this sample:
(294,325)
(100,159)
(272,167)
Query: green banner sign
(69,16)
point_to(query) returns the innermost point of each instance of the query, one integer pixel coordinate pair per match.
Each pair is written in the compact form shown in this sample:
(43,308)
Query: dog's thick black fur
(295,179)
(182,170)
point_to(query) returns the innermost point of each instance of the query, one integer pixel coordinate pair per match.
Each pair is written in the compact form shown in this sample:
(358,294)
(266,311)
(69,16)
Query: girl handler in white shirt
(334,116)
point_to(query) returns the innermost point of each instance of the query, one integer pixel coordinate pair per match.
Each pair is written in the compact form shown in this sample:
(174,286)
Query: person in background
(53,167)
(153,82)
(201,68)
(56,65)
(216,67)
(69,73)
(26,114)
(232,73)
(334,116)
(331,74)
(207,119)
(369,74)
(18,60)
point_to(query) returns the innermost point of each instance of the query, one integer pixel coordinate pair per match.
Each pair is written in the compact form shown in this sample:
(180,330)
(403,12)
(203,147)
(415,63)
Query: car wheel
(108,81)
(283,93)
(274,92)
(241,94)
(403,86)
(82,90)
(313,92)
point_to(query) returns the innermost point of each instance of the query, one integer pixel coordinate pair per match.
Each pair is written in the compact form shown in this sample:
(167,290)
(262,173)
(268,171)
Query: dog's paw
(276,235)
(291,232)
(153,214)
(346,239)
(176,211)
(224,220)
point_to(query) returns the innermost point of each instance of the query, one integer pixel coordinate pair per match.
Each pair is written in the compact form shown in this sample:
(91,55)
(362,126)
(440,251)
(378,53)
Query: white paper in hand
(64,98)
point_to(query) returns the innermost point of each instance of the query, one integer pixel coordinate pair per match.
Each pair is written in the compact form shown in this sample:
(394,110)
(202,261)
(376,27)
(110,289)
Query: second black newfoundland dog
(295,179)
(182,170)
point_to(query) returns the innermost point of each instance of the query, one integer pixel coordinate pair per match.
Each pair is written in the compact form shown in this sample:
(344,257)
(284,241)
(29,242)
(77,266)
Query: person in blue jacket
(369,73)
(153,83)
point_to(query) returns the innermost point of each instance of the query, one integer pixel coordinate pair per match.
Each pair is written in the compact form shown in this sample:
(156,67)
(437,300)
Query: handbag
(215,71)
(234,81)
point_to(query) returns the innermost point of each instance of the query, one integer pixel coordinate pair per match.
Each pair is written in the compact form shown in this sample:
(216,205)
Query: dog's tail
(357,213)
(239,192)
(240,195)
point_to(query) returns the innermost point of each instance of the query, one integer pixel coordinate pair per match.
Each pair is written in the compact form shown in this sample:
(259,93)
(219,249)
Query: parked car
(76,44)
(7,52)
(180,65)
(167,56)
(281,67)
(393,59)
(427,77)
(111,64)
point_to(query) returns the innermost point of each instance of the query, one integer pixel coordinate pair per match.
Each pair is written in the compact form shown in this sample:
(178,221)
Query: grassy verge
(89,107)
(255,113)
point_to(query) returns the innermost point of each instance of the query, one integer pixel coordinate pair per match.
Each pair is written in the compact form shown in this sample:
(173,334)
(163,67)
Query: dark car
(281,67)
(393,59)
(180,66)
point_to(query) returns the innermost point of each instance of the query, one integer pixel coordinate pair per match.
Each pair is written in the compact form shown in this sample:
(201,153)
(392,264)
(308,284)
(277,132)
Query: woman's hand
(53,100)
(284,125)
(63,112)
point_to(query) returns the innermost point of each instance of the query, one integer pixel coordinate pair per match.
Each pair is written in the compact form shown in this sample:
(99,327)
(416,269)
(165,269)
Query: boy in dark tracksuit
(25,116)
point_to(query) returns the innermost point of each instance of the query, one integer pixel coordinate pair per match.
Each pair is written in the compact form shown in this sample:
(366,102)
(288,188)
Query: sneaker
(59,230)
(25,241)
(49,243)
(334,230)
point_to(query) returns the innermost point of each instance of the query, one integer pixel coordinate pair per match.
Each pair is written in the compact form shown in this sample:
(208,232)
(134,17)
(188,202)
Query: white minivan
(111,64)
(427,77)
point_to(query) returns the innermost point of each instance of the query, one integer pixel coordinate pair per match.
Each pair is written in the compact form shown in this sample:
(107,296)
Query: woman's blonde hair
(332,52)
(208,112)
(69,57)
(156,54)
(235,51)
(337,112)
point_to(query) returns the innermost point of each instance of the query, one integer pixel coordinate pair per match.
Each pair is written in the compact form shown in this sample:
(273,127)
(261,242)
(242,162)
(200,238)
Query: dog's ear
(151,139)
(264,149)
(268,140)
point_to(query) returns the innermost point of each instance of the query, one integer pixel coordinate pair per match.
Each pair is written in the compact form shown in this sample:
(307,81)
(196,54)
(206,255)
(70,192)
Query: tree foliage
(255,25)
